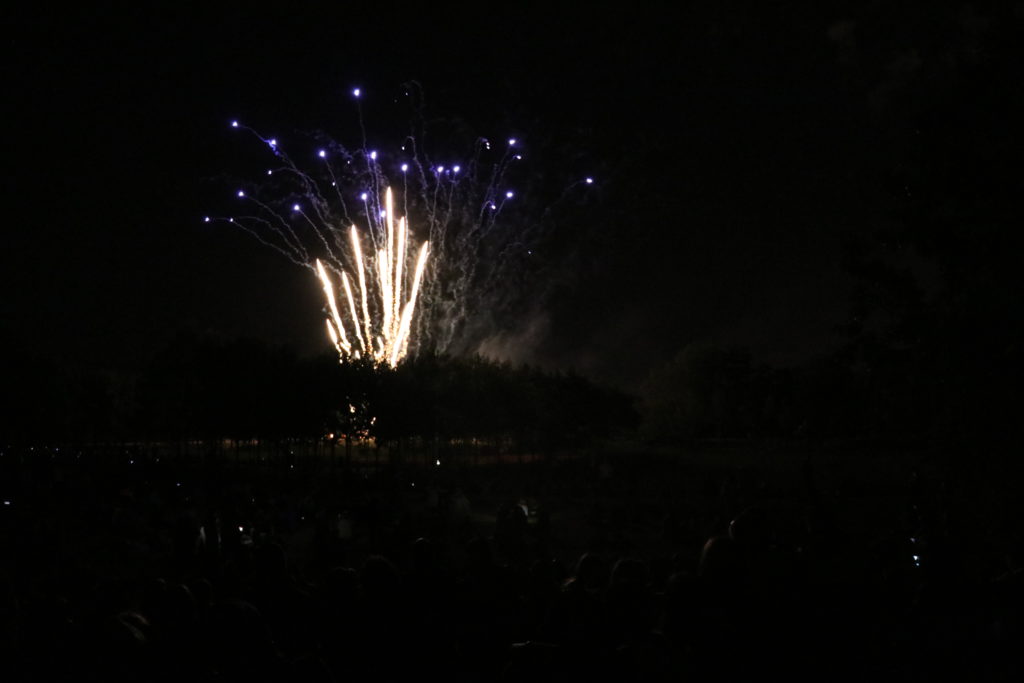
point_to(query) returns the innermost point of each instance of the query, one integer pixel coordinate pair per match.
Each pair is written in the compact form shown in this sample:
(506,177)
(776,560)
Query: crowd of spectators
(138,570)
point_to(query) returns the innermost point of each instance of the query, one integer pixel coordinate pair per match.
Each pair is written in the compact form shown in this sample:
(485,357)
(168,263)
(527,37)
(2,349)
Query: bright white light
(405,167)
(273,142)
(363,196)
(206,219)
(440,169)
(456,169)
(388,341)
(241,193)
(511,142)
(509,194)
(234,124)
(373,155)
(437,463)
(295,207)
(322,154)
(356,92)
(590,181)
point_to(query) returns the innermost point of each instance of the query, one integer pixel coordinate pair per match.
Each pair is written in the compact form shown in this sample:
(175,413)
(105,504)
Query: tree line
(922,377)
(201,388)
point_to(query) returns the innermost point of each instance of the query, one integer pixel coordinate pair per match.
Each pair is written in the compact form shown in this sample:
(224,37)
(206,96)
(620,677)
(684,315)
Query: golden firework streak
(401,341)
(342,345)
(393,328)
(352,309)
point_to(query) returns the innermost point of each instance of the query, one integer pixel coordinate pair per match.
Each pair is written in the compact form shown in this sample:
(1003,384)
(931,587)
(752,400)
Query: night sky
(738,151)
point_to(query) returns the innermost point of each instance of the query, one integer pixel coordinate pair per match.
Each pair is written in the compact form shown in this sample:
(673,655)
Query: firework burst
(387,339)
(336,215)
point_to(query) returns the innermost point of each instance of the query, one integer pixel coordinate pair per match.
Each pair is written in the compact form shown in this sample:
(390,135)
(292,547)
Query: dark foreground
(742,562)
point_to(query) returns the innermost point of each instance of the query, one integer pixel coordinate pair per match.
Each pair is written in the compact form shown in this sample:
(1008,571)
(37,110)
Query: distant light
(234,124)
(239,529)
(373,155)
(206,219)
(518,157)
(241,193)
(511,142)
(270,172)
(273,142)
(296,207)
(456,169)
(322,154)
(437,463)
(590,181)
(356,92)
(493,207)
(7,502)
(383,213)
(363,196)
(405,167)
(440,169)
(509,194)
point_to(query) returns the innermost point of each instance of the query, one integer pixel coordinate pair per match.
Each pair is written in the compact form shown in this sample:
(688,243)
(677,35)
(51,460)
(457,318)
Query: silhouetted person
(486,607)
(383,619)
(239,645)
(284,604)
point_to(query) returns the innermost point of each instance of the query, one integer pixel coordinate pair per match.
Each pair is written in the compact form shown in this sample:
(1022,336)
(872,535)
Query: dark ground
(132,567)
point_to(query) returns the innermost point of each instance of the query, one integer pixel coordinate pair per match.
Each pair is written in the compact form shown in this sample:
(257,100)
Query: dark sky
(737,149)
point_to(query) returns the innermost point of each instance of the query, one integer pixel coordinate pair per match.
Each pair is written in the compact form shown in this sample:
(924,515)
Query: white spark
(391,329)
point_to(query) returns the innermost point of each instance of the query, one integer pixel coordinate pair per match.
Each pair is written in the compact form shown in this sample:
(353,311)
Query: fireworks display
(395,281)
(385,340)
